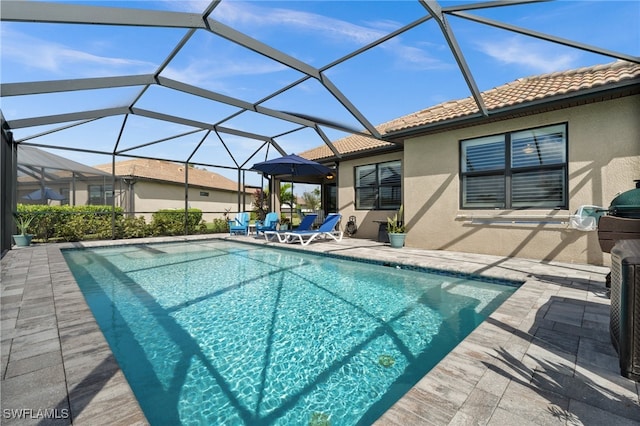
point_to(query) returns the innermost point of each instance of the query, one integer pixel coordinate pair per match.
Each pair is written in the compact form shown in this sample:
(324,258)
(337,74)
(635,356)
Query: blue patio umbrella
(48,194)
(292,165)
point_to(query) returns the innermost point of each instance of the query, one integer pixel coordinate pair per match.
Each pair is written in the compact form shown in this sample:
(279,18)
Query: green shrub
(219,225)
(77,223)
(70,223)
(133,227)
(171,222)
(73,229)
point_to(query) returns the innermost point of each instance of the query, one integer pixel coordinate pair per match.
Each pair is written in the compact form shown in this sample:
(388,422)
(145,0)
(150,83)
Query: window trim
(103,194)
(508,171)
(377,185)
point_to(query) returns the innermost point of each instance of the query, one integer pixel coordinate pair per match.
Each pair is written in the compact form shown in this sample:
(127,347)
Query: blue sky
(405,74)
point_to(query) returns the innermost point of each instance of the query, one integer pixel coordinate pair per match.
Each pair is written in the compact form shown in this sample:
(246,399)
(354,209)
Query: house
(504,183)
(152,185)
(47,178)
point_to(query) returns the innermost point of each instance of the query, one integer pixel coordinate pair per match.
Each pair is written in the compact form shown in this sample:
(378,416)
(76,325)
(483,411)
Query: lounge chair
(327,229)
(305,225)
(239,224)
(269,223)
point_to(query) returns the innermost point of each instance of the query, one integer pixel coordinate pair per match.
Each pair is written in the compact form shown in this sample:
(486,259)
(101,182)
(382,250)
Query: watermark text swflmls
(37,414)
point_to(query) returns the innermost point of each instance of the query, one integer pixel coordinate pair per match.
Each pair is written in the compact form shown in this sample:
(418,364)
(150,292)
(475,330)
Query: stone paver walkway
(544,357)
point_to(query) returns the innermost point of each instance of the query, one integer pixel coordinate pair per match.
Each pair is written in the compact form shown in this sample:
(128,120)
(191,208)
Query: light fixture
(528,149)
(329,176)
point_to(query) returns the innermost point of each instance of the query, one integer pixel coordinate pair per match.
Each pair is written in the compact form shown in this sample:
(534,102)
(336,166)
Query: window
(100,194)
(379,186)
(524,169)
(204,194)
(65,193)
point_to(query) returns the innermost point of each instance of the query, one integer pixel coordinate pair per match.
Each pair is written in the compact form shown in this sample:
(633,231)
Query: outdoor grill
(619,234)
(624,322)
(622,220)
(627,204)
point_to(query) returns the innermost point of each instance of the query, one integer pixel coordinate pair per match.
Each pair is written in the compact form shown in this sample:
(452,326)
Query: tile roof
(170,172)
(519,92)
(347,145)
(522,91)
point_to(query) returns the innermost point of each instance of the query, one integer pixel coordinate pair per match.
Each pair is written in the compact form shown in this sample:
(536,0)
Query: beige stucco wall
(81,192)
(604,159)
(367,228)
(153,196)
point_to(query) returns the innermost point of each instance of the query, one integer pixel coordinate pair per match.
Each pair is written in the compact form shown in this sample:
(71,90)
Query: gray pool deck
(543,358)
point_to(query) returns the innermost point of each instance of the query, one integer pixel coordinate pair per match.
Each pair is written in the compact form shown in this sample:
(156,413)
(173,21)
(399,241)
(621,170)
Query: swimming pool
(215,332)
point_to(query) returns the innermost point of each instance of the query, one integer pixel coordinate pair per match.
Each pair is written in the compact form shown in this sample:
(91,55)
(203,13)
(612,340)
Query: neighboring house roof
(523,92)
(170,172)
(29,156)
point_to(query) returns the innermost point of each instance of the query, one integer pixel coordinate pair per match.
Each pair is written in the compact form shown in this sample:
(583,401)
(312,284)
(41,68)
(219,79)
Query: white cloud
(413,58)
(328,29)
(189,6)
(208,71)
(241,13)
(36,53)
(339,31)
(535,56)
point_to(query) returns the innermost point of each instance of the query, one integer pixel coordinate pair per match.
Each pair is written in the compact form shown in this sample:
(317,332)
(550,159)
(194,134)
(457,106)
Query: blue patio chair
(327,229)
(269,223)
(305,225)
(239,224)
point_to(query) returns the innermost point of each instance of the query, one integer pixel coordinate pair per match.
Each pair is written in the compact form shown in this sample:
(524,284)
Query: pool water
(225,333)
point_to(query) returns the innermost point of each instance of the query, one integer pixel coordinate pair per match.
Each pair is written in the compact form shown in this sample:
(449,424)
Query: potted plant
(396,229)
(285,224)
(23,220)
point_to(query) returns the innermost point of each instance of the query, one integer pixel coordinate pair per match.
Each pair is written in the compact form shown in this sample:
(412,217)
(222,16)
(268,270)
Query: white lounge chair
(327,229)
(305,225)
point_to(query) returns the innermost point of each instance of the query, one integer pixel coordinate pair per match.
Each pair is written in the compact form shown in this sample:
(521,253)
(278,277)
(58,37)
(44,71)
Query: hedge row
(77,223)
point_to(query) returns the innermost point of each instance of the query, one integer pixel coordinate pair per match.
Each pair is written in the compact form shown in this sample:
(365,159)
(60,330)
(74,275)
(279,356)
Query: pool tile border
(406,266)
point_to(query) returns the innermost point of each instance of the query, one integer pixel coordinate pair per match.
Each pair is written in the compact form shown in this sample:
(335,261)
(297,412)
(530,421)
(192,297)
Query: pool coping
(526,363)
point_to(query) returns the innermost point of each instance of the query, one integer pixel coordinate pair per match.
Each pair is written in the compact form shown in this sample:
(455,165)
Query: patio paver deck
(544,357)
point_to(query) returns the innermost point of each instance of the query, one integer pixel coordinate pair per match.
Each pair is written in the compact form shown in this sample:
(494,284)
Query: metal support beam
(131,148)
(186,198)
(124,124)
(57,129)
(254,154)
(224,145)
(349,106)
(61,13)
(204,138)
(547,37)
(55,86)
(65,118)
(489,4)
(434,9)
(254,45)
